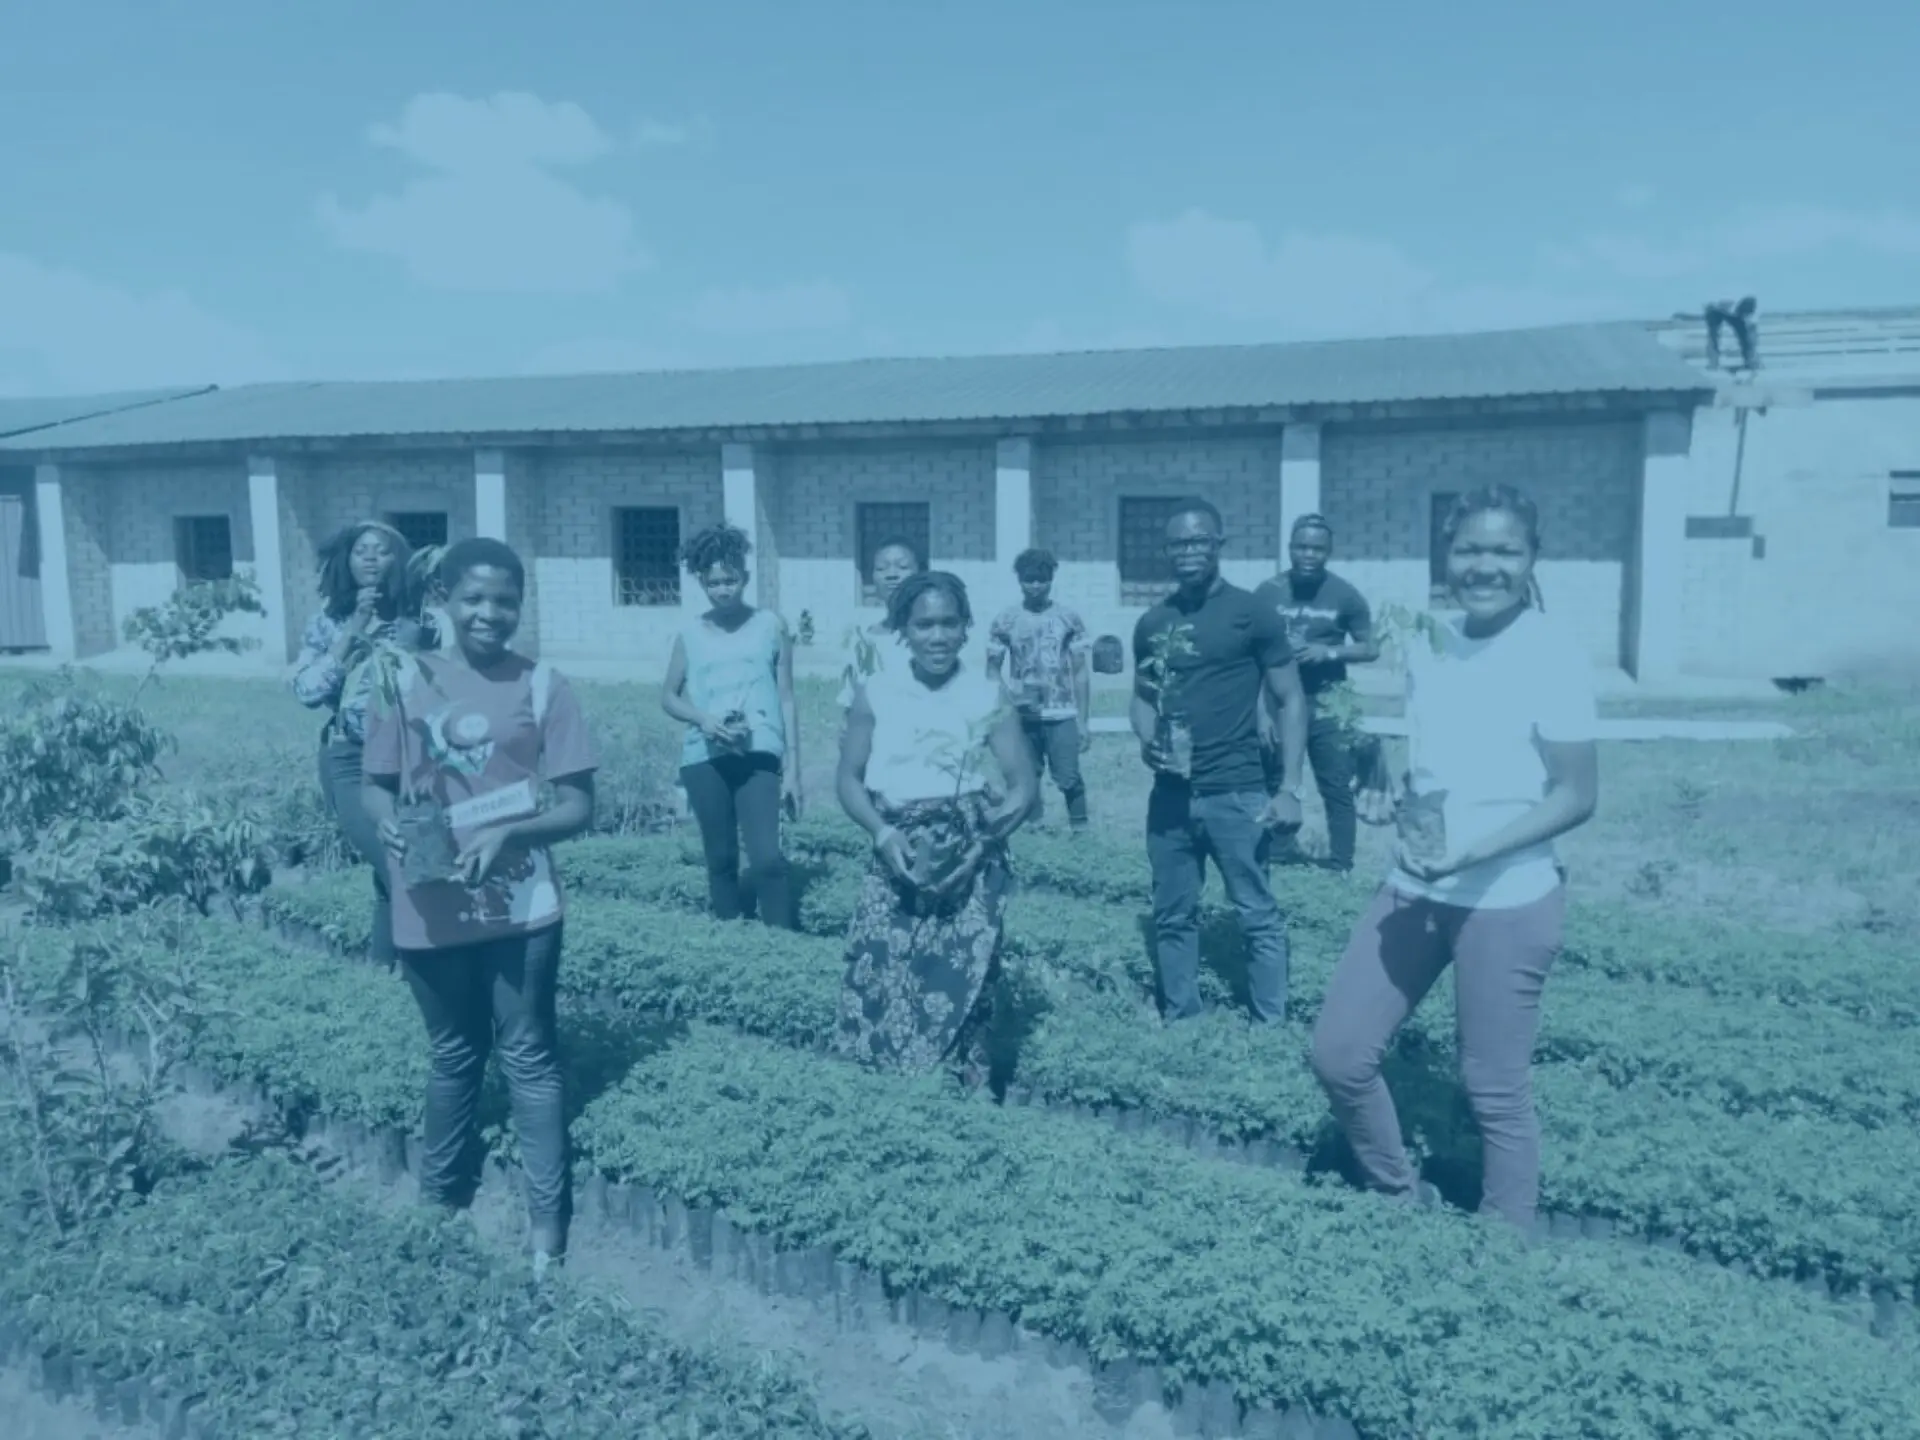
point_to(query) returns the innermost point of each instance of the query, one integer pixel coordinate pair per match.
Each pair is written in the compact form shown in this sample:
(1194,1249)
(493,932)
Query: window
(1903,500)
(1146,578)
(420,528)
(1438,511)
(203,547)
(881,524)
(646,556)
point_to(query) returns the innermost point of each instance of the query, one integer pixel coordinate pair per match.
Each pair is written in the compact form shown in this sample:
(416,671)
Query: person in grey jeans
(1201,660)
(1501,760)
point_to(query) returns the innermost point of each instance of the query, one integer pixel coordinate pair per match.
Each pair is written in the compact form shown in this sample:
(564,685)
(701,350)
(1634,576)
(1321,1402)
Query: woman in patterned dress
(368,617)
(923,951)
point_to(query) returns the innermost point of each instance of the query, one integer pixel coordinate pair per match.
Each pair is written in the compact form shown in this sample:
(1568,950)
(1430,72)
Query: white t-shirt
(929,744)
(1476,711)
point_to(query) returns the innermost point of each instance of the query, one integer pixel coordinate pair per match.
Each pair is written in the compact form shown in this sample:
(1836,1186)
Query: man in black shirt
(1203,658)
(1329,626)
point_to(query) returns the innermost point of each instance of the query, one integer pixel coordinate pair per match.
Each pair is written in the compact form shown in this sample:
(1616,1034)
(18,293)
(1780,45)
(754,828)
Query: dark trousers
(340,776)
(735,797)
(1330,753)
(1056,750)
(1184,831)
(475,1000)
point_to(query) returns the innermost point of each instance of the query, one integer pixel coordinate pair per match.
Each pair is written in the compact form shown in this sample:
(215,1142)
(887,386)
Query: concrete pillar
(490,495)
(56,576)
(269,559)
(1299,481)
(1012,500)
(740,505)
(1660,566)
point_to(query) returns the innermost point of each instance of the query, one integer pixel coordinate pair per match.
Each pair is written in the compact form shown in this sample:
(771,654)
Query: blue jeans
(1184,831)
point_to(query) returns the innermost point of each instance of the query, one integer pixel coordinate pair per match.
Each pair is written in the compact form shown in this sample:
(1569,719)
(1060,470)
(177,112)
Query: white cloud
(1309,285)
(491,214)
(660,134)
(744,310)
(66,333)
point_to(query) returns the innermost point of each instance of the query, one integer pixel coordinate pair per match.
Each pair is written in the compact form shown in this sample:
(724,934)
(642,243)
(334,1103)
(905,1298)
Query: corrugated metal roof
(21,416)
(1562,360)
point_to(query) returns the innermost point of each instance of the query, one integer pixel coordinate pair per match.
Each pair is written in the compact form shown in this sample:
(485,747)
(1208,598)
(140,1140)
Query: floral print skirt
(920,980)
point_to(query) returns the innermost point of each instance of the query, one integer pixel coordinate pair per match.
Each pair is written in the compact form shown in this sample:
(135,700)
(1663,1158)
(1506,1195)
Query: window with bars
(203,547)
(881,524)
(1145,575)
(1438,511)
(646,555)
(420,528)
(1903,500)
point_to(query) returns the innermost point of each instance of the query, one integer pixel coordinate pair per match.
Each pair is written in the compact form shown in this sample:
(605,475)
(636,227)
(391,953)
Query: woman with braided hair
(372,593)
(730,682)
(1501,761)
(923,951)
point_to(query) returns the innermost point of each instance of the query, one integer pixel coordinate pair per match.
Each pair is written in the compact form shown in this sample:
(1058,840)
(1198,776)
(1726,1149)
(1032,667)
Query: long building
(1695,524)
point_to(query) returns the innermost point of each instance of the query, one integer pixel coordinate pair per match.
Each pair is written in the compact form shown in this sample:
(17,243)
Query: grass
(1806,833)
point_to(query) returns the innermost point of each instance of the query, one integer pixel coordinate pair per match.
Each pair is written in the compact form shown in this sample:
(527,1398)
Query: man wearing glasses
(1202,658)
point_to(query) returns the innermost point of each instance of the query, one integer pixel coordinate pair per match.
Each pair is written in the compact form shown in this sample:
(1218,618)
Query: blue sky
(211,191)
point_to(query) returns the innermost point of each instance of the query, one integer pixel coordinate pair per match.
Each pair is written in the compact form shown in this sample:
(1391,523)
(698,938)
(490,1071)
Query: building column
(269,560)
(490,494)
(740,504)
(1299,481)
(1012,500)
(1660,564)
(56,576)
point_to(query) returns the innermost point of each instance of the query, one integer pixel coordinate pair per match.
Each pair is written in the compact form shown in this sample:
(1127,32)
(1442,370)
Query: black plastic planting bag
(1109,656)
(429,854)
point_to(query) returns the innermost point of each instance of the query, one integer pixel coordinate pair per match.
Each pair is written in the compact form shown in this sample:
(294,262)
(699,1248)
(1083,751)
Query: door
(23,624)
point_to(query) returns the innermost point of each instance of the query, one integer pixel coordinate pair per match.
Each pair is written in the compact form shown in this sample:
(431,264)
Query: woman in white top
(1501,760)
(923,951)
(868,647)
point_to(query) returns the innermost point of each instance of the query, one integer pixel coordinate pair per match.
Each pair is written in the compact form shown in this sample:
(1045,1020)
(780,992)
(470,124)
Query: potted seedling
(935,860)
(1173,733)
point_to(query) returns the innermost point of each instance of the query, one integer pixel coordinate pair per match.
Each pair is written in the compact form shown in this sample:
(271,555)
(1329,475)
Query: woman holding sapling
(1501,760)
(923,951)
(730,682)
(371,614)
(869,647)
(459,745)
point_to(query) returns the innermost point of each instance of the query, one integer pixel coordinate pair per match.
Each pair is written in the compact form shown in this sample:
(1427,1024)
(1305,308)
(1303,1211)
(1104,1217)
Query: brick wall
(577,493)
(1077,489)
(85,500)
(811,509)
(145,500)
(1814,482)
(1377,485)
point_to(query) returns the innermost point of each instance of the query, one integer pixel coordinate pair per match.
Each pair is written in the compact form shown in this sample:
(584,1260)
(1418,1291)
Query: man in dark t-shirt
(1203,658)
(1329,626)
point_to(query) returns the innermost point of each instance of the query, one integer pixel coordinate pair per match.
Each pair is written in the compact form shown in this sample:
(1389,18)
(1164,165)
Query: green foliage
(186,624)
(81,1114)
(1130,1247)
(168,845)
(251,1297)
(1166,646)
(67,754)
(1663,1108)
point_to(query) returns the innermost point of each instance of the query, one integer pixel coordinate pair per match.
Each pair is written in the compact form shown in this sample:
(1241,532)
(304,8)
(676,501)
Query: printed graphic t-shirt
(1476,712)
(1038,649)
(469,741)
(1324,611)
(1218,653)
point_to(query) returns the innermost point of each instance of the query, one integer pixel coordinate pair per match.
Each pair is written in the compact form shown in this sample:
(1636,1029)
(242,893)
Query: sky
(215,192)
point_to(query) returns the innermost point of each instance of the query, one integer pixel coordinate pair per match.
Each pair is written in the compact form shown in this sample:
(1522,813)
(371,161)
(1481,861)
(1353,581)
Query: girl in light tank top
(730,682)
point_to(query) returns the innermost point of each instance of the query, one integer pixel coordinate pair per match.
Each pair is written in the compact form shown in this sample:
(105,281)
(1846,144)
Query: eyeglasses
(1194,545)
